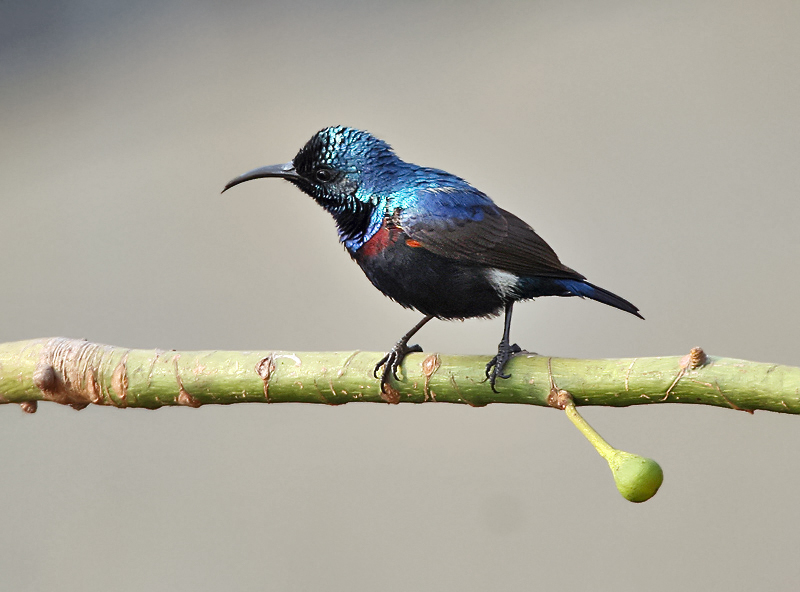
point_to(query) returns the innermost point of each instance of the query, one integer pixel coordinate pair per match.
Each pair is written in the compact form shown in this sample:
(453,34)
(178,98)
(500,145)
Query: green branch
(79,373)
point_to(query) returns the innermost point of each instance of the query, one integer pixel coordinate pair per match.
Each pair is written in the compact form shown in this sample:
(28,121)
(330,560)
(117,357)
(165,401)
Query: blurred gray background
(655,145)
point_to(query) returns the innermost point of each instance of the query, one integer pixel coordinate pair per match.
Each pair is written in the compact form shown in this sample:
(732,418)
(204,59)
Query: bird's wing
(464,224)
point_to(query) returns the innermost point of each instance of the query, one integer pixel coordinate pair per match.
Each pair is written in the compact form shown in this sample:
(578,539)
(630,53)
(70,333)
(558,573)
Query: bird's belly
(429,283)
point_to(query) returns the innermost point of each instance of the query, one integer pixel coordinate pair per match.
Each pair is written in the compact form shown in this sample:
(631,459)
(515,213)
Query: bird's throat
(355,220)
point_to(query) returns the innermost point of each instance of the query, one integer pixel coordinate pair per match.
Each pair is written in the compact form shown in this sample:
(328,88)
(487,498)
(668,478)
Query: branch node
(430,365)
(265,368)
(184,398)
(119,380)
(68,370)
(694,359)
(559,399)
(45,379)
(390,394)
(29,406)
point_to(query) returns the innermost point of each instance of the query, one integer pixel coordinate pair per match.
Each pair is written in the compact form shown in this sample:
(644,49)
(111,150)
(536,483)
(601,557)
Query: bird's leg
(494,369)
(392,360)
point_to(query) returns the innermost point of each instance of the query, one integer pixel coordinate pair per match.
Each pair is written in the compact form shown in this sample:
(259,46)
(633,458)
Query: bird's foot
(494,369)
(391,363)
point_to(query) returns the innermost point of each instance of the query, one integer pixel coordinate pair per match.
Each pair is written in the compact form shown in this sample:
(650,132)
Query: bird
(428,240)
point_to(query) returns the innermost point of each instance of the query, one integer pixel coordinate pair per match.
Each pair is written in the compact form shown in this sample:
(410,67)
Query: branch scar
(184,397)
(628,374)
(265,368)
(342,370)
(429,366)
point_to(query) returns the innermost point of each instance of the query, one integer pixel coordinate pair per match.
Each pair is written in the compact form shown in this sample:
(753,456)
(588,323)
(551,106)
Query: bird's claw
(391,362)
(494,369)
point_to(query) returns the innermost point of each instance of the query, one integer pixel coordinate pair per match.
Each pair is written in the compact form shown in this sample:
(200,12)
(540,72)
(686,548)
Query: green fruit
(637,478)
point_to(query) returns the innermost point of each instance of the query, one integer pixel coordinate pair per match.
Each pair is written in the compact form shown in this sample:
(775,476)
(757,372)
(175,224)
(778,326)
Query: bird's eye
(324,175)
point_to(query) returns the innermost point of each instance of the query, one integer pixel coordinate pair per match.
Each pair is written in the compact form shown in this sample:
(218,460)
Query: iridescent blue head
(343,169)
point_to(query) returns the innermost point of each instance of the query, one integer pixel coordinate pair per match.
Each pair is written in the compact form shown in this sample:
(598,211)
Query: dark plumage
(427,239)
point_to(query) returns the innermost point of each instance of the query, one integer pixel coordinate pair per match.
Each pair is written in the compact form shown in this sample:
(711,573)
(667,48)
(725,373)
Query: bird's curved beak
(282,171)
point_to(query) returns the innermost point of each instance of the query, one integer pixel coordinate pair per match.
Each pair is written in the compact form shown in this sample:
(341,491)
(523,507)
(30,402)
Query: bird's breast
(385,238)
(415,277)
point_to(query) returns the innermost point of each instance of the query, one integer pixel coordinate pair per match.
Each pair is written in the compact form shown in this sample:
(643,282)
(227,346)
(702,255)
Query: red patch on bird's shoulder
(385,237)
(412,243)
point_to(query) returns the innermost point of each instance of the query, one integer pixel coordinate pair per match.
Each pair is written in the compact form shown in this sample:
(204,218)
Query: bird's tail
(587,290)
